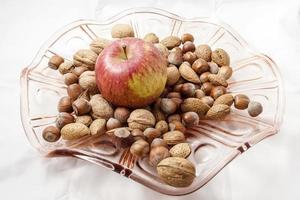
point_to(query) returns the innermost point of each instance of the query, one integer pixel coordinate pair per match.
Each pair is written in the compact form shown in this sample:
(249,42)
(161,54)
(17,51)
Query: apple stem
(124,50)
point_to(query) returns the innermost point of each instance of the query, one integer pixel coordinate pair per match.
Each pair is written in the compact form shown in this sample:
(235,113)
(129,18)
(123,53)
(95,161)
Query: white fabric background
(270,170)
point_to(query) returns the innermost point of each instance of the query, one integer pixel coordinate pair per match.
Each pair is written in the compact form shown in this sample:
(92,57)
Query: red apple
(131,72)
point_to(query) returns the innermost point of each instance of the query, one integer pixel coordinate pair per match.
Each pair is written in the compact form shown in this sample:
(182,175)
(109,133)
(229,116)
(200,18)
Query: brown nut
(74,90)
(173,75)
(174,117)
(98,126)
(213,67)
(200,66)
(204,77)
(151,37)
(188,46)
(63,119)
(84,119)
(217,91)
(140,148)
(175,57)
(174,95)
(158,114)
(194,105)
(81,106)
(171,41)
(137,134)
(199,93)
(113,123)
(168,106)
(99,44)
(218,112)
(65,105)
(141,119)
(220,57)
(158,142)
(79,70)
(176,171)
(151,133)
(162,49)
(162,125)
(122,31)
(55,61)
(157,154)
(85,58)
(190,118)
(51,134)
(254,108)
(181,150)
(207,87)
(188,73)
(87,81)
(177,87)
(203,51)
(74,131)
(226,99)
(173,137)
(70,78)
(208,100)
(100,107)
(217,80)
(65,67)
(123,137)
(187,37)
(225,72)
(122,114)
(241,101)
(177,125)
(190,57)
(188,90)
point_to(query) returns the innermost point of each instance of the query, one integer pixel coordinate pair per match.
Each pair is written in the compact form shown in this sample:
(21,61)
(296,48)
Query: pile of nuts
(195,90)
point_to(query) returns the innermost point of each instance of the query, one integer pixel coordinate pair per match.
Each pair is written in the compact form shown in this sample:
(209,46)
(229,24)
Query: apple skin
(131,72)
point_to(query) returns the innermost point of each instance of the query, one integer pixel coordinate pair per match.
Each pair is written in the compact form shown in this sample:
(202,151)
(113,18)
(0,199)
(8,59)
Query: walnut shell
(87,80)
(203,51)
(171,41)
(100,107)
(141,119)
(151,37)
(174,137)
(85,58)
(66,67)
(74,131)
(99,44)
(157,154)
(122,31)
(182,150)
(84,119)
(176,171)
(220,57)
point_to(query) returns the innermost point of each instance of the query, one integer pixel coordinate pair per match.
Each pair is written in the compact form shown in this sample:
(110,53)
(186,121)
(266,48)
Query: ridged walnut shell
(141,119)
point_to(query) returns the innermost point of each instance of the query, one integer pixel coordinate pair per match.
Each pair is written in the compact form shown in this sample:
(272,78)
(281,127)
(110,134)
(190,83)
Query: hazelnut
(51,134)
(74,91)
(190,118)
(204,77)
(200,66)
(208,100)
(220,57)
(171,41)
(217,91)
(100,107)
(65,67)
(87,81)
(151,37)
(79,70)
(199,93)
(177,125)
(207,87)
(123,137)
(137,134)
(182,150)
(213,67)
(98,126)
(157,154)
(174,137)
(173,75)
(225,71)
(187,37)
(203,51)
(74,131)
(162,125)
(175,57)
(65,104)
(113,123)
(174,95)
(81,106)
(84,119)
(158,142)
(174,117)
(122,31)
(254,108)
(121,114)
(140,148)
(151,133)
(241,101)
(162,49)
(177,88)
(177,101)
(188,46)
(70,78)
(64,118)
(55,61)
(168,106)
(189,57)
(188,90)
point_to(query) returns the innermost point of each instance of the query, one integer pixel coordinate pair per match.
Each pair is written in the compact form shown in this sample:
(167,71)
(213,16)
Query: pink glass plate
(214,143)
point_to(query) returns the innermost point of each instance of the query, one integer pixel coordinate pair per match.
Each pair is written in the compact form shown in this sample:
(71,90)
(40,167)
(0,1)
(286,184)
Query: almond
(217,80)
(74,131)
(188,73)
(220,57)
(218,112)
(226,99)
(194,105)
(171,41)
